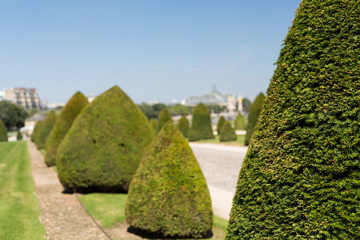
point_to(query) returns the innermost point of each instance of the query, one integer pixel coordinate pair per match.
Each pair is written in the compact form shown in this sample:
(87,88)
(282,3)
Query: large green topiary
(153,124)
(45,129)
(36,131)
(227,133)
(201,124)
(184,126)
(164,117)
(301,175)
(103,147)
(253,117)
(220,123)
(168,195)
(68,114)
(3,132)
(240,122)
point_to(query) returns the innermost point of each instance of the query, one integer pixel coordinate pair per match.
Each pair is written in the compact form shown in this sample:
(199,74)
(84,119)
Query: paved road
(221,166)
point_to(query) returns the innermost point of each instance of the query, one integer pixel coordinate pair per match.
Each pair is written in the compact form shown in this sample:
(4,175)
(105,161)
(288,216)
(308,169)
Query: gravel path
(61,214)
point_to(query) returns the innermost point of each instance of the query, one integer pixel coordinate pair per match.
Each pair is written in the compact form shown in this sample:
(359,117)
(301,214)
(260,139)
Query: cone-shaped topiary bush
(227,133)
(153,124)
(168,195)
(68,114)
(36,131)
(240,122)
(164,117)
(103,147)
(201,124)
(183,125)
(220,124)
(3,132)
(254,114)
(18,135)
(45,129)
(300,177)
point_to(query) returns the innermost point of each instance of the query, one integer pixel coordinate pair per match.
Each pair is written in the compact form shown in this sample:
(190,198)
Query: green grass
(109,209)
(240,141)
(19,208)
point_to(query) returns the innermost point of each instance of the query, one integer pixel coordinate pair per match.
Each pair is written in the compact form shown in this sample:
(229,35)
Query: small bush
(183,126)
(163,118)
(220,124)
(153,124)
(240,122)
(36,131)
(18,135)
(67,116)
(227,132)
(168,196)
(45,129)
(3,132)
(254,114)
(201,124)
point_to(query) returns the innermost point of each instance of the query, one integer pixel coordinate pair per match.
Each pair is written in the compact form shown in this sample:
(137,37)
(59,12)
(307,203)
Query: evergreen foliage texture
(227,133)
(184,126)
(253,117)
(220,123)
(163,118)
(168,195)
(36,131)
(18,135)
(3,132)
(67,116)
(45,129)
(201,124)
(240,122)
(111,135)
(301,175)
(153,124)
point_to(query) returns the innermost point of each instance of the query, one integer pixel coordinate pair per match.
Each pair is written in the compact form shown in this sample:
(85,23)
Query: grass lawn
(19,208)
(240,141)
(109,209)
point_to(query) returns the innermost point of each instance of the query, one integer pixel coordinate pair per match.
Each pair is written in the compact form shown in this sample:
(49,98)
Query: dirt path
(61,214)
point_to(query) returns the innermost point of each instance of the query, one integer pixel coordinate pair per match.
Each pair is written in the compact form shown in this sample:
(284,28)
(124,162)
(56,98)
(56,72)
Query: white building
(28,98)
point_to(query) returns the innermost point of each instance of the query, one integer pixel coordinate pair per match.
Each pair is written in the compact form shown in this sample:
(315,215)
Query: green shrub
(36,131)
(300,177)
(168,195)
(3,132)
(201,124)
(153,124)
(45,129)
(67,116)
(103,147)
(183,125)
(220,124)
(240,122)
(163,118)
(253,117)
(227,133)
(18,135)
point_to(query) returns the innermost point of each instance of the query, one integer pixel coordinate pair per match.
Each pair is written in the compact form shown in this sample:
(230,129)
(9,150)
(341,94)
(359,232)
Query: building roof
(213,97)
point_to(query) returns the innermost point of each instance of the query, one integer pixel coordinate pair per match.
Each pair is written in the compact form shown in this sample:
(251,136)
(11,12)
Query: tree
(36,131)
(163,118)
(201,124)
(3,132)
(111,135)
(246,105)
(67,116)
(220,124)
(153,124)
(253,117)
(240,122)
(168,195)
(300,177)
(12,115)
(18,135)
(227,133)
(184,126)
(45,129)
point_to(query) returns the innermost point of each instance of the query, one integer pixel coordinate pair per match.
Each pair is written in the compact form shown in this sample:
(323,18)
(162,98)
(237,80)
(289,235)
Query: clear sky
(152,49)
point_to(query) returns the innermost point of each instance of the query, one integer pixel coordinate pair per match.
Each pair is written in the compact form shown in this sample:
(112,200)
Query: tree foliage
(18,135)
(184,126)
(253,117)
(111,135)
(300,177)
(240,122)
(3,132)
(36,131)
(67,116)
(220,124)
(201,124)
(45,130)
(168,196)
(12,115)
(227,133)
(163,118)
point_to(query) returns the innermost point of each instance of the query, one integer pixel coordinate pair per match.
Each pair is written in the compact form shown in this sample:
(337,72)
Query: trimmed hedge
(103,147)
(254,114)
(301,176)
(45,129)
(3,132)
(19,135)
(36,131)
(220,123)
(153,124)
(184,126)
(201,124)
(240,122)
(227,133)
(164,117)
(67,116)
(168,195)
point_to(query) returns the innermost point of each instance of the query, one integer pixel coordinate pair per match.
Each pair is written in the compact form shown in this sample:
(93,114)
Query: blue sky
(152,49)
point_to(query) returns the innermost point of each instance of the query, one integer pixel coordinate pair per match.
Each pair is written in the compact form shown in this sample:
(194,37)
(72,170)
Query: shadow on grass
(159,235)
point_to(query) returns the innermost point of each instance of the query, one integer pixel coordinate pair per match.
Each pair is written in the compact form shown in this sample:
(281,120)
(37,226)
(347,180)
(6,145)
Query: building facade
(28,98)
